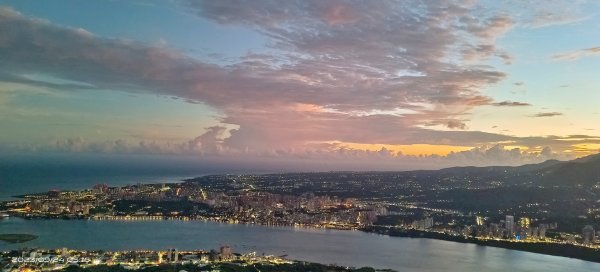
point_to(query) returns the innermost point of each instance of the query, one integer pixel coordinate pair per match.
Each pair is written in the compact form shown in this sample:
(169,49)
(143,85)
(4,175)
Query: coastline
(178,218)
(547,248)
(222,259)
(348,248)
(552,249)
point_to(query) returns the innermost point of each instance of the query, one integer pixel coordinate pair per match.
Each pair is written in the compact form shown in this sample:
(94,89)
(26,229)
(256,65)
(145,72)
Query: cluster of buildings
(277,209)
(588,235)
(44,260)
(264,200)
(235,206)
(237,200)
(69,206)
(505,229)
(509,229)
(525,231)
(424,224)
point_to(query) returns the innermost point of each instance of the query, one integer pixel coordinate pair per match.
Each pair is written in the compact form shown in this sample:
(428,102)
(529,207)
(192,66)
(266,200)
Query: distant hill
(538,166)
(490,169)
(583,171)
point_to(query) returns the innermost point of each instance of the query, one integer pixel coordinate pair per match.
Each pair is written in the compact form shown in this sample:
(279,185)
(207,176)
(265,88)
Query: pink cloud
(335,77)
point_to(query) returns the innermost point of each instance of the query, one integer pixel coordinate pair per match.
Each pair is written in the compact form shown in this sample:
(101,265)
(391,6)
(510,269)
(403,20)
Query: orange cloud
(585,149)
(410,149)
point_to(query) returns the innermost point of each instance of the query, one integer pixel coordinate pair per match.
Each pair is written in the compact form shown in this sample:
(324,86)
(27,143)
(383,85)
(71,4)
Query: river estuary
(349,248)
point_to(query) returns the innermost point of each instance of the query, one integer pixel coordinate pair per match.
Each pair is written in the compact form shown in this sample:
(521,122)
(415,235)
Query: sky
(369,85)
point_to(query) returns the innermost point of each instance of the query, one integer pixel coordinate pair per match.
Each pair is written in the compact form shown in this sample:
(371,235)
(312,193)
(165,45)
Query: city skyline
(386,85)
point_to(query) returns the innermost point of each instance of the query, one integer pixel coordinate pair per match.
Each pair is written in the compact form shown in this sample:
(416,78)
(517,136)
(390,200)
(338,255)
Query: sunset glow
(431,84)
(410,150)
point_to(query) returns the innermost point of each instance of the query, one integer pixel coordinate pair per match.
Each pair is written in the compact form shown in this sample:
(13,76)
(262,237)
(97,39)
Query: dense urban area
(550,208)
(169,260)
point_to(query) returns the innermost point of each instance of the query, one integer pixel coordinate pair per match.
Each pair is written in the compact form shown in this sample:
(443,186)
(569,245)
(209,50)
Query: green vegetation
(99,210)
(17,238)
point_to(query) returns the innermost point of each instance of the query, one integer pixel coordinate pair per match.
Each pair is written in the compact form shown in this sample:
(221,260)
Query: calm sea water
(30,173)
(13,186)
(24,175)
(351,248)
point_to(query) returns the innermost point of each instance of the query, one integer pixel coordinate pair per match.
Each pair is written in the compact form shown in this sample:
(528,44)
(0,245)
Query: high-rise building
(588,234)
(423,224)
(543,228)
(510,225)
(225,252)
(172,255)
(479,220)
(535,232)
